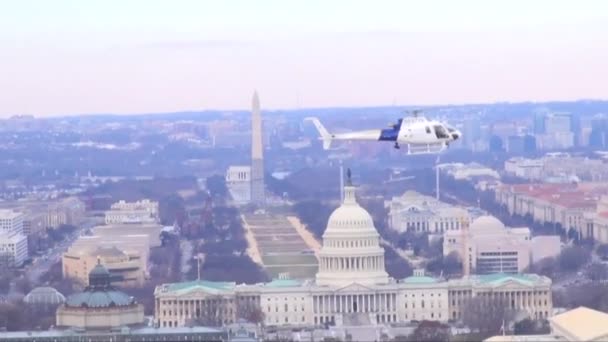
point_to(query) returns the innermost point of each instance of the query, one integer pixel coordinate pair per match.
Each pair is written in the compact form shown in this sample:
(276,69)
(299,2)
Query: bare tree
(487,315)
(251,311)
(215,311)
(597,271)
(431,331)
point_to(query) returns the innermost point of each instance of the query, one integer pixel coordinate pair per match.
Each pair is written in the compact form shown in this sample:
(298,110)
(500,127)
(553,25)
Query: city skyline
(67,58)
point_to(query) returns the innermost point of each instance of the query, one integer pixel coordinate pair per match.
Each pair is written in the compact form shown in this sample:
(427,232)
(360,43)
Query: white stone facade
(238,182)
(419,213)
(144,211)
(490,247)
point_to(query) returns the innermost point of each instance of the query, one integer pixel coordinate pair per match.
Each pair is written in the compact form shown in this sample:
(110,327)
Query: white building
(419,213)
(144,211)
(468,171)
(555,167)
(238,182)
(525,168)
(490,247)
(580,324)
(11,221)
(351,287)
(13,243)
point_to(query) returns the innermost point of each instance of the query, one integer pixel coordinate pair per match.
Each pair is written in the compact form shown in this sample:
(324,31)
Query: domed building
(351,287)
(351,251)
(44,295)
(489,246)
(100,305)
(418,213)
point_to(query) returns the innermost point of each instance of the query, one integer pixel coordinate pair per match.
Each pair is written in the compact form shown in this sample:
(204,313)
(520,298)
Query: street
(42,264)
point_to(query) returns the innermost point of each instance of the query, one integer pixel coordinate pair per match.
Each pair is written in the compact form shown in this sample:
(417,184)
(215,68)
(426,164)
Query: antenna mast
(341,182)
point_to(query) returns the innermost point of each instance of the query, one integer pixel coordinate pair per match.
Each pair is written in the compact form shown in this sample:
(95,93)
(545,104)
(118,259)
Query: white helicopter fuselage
(412,131)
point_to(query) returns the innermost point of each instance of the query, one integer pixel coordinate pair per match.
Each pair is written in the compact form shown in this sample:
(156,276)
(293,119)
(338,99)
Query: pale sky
(60,57)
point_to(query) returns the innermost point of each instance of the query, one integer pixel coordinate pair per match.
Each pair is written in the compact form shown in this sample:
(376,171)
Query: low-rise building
(69,210)
(127,269)
(136,244)
(144,211)
(487,247)
(152,230)
(567,205)
(469,171)
(558,167)
(100,305)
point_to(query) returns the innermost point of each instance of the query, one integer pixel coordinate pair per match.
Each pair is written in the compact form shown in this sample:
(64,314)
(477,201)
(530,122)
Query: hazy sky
(124,56)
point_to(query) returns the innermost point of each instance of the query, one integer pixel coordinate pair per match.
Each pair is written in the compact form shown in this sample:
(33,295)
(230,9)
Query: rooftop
(284,283)
(582,324)
(9,214)
(209,286)
(44,295)
(419,280)
(53,335)
(99,293)
(526,338)
(498,279)
(581,195)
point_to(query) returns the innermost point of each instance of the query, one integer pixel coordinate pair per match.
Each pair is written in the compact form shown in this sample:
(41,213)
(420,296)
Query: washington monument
(257,154)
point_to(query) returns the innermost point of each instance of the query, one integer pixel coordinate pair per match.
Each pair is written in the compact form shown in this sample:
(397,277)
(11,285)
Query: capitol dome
(351,251)
(486,224)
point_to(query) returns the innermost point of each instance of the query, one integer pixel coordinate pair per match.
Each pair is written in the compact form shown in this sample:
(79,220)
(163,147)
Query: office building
(13,243)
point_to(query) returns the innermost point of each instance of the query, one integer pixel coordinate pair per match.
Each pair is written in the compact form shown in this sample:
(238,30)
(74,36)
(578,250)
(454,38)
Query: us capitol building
(351,287)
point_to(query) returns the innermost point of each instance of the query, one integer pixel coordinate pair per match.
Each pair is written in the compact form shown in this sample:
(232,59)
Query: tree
(546,266)
(531,327)
(216,185)
(12,316)
(23,285)
(602,251)
(430,331)
(212,313)
(572,258)
(396,266)
(251,312)
(486,315)
(452,264)
(5,283)
(597,271)
(314,214)
(171,209)
(449,264)
(591,295)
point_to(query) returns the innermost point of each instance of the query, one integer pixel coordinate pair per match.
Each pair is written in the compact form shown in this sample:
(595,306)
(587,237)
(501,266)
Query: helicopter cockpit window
(440,132)
(428,130)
